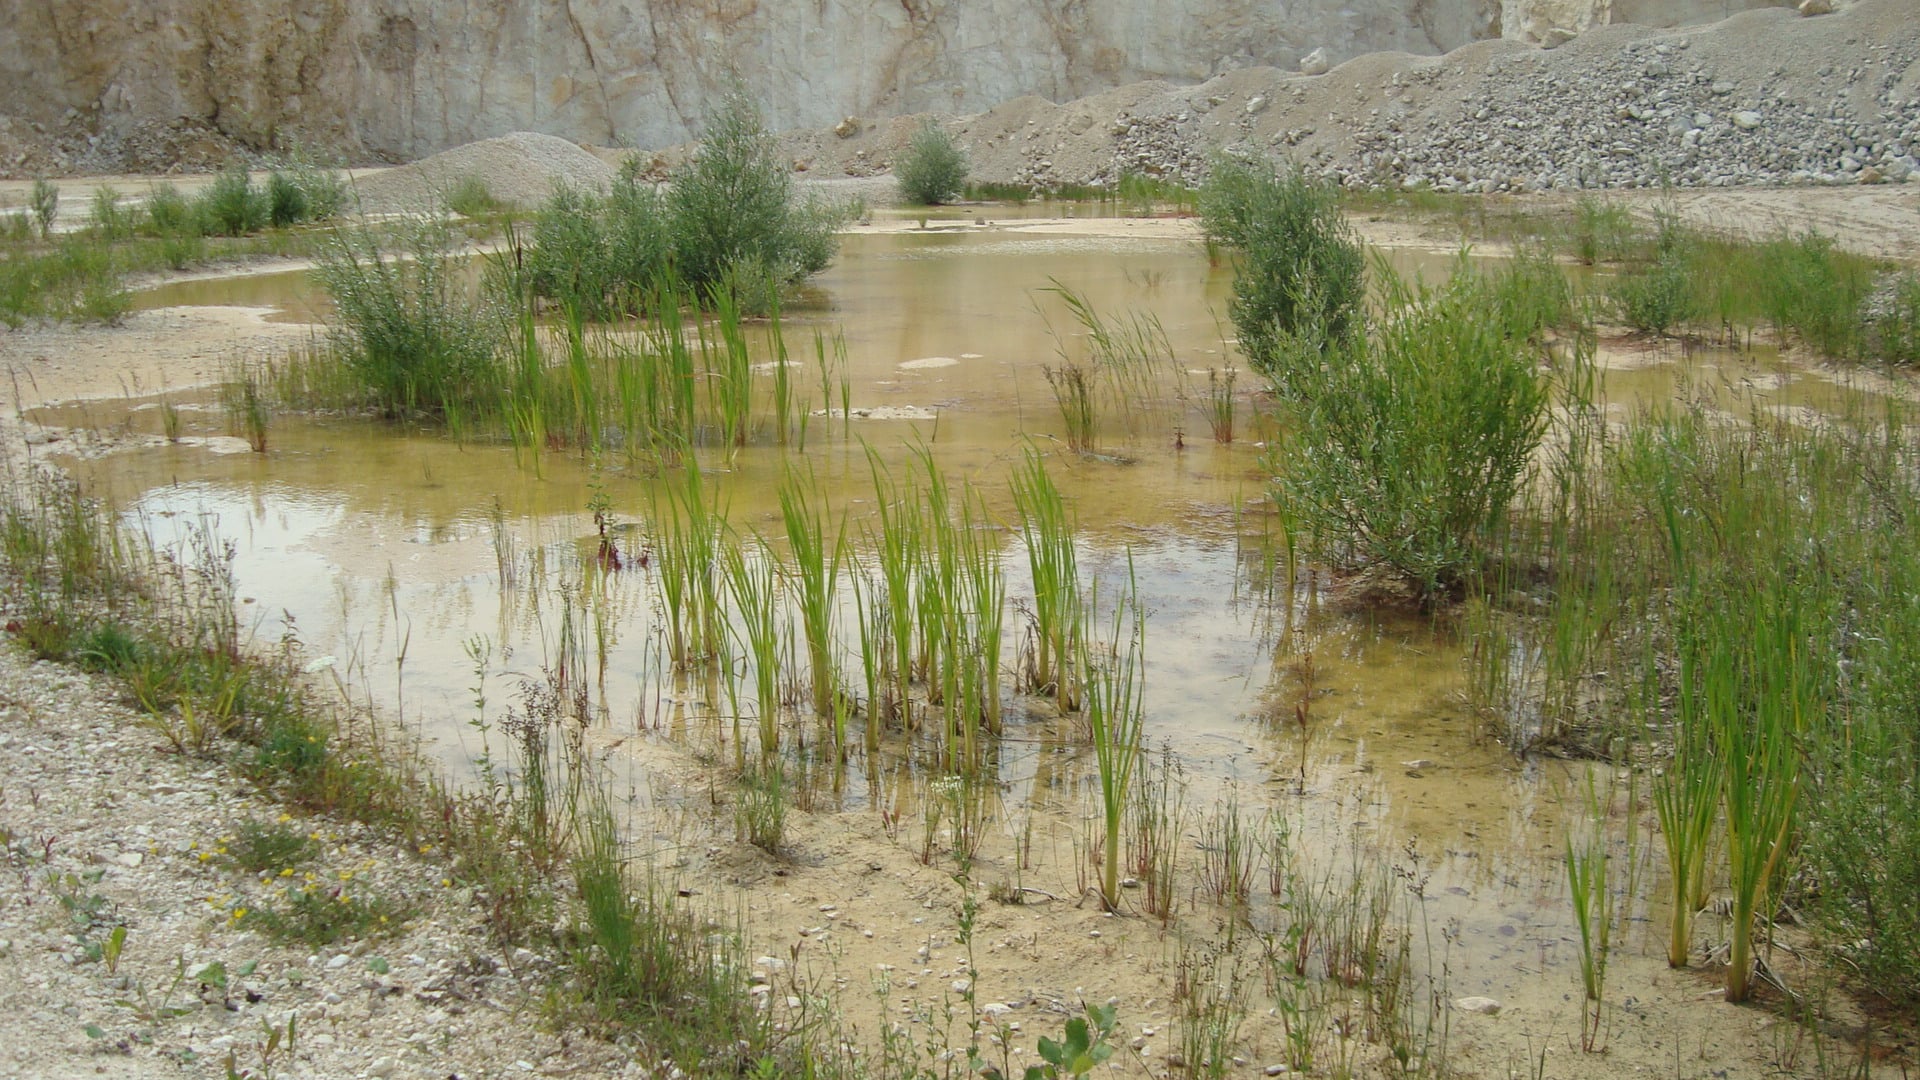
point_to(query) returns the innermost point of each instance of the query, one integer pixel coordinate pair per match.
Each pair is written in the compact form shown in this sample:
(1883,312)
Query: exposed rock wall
(402,78)
(1549,22)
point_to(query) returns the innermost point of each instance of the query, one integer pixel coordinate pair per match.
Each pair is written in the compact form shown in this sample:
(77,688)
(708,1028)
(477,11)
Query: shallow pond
(433,573)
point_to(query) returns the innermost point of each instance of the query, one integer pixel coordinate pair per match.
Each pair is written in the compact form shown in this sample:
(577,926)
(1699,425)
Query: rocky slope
(1765,97)
(148,84)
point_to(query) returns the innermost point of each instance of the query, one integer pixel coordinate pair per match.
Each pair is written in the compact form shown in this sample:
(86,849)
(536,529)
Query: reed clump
(1732,580)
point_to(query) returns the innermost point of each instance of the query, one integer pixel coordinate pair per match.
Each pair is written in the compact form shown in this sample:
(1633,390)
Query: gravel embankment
(1765,98)
(101,830)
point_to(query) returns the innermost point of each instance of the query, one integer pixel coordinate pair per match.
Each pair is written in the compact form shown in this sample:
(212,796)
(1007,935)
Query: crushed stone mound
(522,169)
(1768,97)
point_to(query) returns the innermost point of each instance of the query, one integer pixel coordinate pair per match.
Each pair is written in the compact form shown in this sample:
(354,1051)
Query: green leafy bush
(286,200)
(1657,298)
(169,213)
(1300,272)
(111,220)
(407,326)
(933,169)
(732,206)
(45,205)
(471,197)
(727,222)
(1408,447)
(232,206)
(323,187)
(569,259)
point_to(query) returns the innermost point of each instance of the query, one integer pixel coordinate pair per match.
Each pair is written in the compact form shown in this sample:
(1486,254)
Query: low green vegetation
(727,222)
(407,328)
(44,203)
(1715,592)
(1410,443)
(1739,584)
(932,169)
(80,275)
(1299,274)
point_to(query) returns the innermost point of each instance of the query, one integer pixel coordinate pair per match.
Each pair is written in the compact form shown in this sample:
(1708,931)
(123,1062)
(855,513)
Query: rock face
(1549,22)
(403,78)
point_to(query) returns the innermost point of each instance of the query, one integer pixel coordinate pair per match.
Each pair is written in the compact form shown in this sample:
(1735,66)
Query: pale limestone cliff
(1548,22)
(401,78)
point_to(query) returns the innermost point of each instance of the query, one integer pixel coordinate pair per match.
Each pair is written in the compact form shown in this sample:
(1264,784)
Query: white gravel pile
(522,168)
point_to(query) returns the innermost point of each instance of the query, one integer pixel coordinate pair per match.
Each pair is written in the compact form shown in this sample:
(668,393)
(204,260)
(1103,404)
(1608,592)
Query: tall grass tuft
(1115,673)
(688,525)
(1587,874)
(1074,391)
(1058,610)
(898,550)
(1220,403)
(817,562)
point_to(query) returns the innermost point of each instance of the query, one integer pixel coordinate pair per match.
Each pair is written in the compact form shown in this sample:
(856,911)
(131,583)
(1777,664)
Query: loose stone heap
(1653,114)
(1767,97)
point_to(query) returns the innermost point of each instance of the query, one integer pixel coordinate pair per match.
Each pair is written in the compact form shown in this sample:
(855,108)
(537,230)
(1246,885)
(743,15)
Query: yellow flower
(287,872)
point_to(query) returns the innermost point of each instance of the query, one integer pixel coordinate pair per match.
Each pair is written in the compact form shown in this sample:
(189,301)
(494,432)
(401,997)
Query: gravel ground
(103,830)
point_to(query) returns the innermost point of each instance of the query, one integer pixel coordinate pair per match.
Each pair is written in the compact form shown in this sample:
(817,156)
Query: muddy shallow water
(408,562)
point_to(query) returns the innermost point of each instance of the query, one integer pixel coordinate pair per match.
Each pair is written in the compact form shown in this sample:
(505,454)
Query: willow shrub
(408,326)
(728,222)
(1410,444)
(933,169)
(1300,275)
(733,206)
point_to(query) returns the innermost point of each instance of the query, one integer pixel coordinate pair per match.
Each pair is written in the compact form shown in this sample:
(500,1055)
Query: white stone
(1315,63)
(1485,1006)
